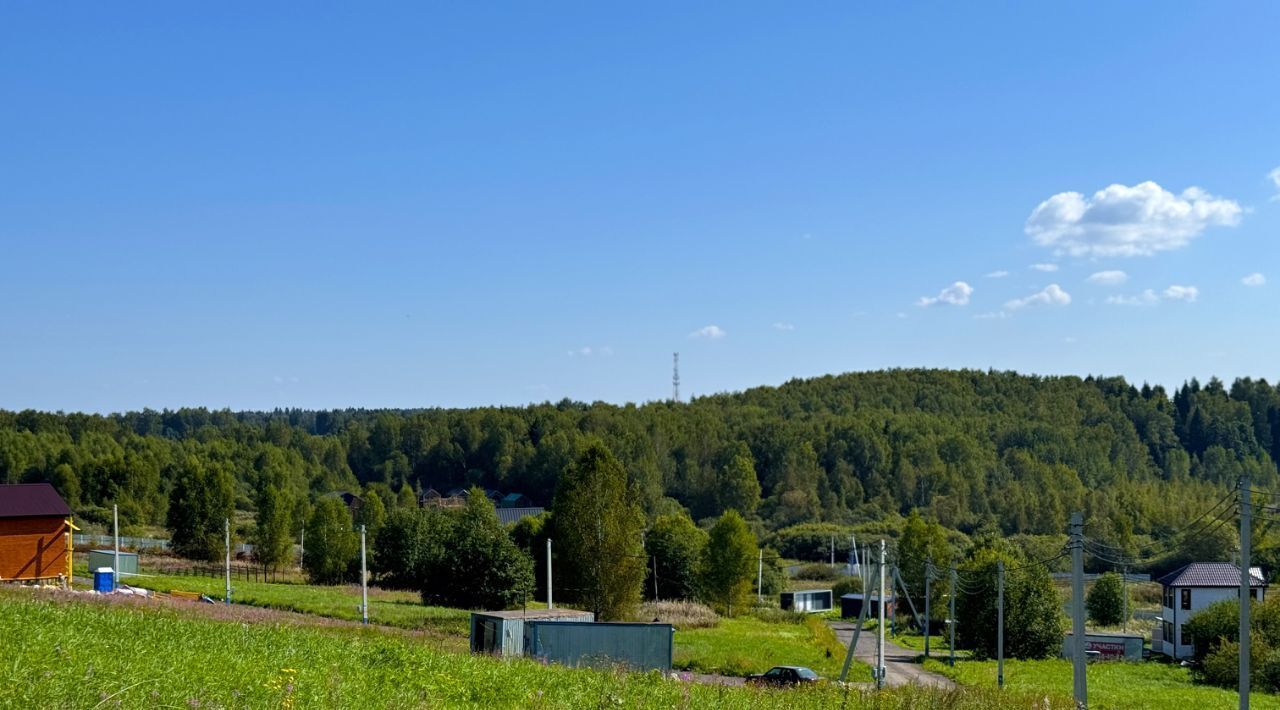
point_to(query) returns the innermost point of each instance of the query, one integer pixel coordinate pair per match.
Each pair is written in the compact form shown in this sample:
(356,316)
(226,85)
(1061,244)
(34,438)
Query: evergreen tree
(675,548)
(332,544)
(1106,601)
(201,502)
(729,564)
(599,527)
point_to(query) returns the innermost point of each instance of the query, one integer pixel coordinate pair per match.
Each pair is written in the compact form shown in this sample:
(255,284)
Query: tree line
(972,450)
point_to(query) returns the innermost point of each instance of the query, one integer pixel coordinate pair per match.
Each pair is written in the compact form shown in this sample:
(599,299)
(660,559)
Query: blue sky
(399,205)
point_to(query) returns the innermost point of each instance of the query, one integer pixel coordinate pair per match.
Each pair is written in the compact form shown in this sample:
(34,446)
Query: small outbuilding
(851,605)
(35,532)
(515,500)
(501,633)
(808,600)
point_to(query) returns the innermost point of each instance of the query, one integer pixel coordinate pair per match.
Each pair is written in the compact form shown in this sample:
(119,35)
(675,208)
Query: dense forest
(970,449)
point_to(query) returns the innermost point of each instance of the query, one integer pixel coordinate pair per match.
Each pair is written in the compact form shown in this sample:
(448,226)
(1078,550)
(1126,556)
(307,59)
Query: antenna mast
(675,376)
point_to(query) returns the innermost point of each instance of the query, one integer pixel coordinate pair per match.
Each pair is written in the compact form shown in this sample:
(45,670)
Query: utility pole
(880,626)
(1246,533)
(833,551)
(760,577)
(550,604)
(951,622)
(302,548)
(115,530)
(1000,623)
(226,528)
(928,579)
(1124,592)
(655,578)
(364,582)
(857,631)
(1080,681)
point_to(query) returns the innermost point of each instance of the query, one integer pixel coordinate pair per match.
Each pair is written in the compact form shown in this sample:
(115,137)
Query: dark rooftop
(1210,574)
(28,500)
(534,613)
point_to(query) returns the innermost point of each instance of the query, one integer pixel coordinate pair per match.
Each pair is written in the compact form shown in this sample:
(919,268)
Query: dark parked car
(781,676)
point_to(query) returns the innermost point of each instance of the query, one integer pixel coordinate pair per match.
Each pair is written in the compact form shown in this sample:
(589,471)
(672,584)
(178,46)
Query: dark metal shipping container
(640,647)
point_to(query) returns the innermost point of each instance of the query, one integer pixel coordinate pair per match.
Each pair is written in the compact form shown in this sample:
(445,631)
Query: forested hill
(970,448)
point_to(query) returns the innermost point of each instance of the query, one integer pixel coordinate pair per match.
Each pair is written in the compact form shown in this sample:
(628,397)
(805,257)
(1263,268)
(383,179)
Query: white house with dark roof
(1192,588)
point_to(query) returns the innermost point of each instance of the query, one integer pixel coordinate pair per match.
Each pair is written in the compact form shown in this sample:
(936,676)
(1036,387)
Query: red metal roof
(28,500)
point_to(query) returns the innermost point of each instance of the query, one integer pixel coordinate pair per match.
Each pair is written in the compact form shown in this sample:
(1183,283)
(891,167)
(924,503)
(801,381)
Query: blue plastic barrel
(104,580)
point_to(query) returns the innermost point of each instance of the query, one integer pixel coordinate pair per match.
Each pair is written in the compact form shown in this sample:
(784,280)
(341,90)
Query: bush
(816,572)
(812,541)
(1106,600)
(1219,621)
(1221,665)
(845,585)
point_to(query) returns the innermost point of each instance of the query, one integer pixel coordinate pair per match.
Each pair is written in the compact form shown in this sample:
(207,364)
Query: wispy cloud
(957,294)
(993,315)
(710,332)
(1255,279)
(1127,221)
(783,326)
(1051,295)
(588,351)
(1149,297)
(1045,267)
(1274,176)
(997,274)
(1146,298)
(1108,278)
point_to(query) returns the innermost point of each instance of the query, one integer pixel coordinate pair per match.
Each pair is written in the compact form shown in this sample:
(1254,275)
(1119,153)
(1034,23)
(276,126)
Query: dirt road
(899,663)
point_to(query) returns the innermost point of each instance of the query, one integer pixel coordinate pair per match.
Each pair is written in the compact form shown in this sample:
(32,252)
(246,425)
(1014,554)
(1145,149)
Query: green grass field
(748,645)
(390,608)
(1116,685)
(87,652)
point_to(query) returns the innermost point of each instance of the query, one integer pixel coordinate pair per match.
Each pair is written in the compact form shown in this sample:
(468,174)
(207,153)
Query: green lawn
(391,608)
(748,645)
(937,645)
(87,652)
(1118,685)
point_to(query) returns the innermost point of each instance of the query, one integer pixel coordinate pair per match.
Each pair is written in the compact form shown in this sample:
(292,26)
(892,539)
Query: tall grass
(1112,684)
(747,645)
(682,615)
(96,653)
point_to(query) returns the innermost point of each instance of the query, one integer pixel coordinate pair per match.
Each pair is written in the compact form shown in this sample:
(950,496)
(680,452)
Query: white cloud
(1255,279)
(1182,293)
(957,294)
(1108,278)
(1069,340)
(1150,298)
(999,274)
(588,351)
(783,326)
(1127,221)
(1051,295)
(1146,298)
(1274,176)
(711,332)
(1045,267)
(994,315)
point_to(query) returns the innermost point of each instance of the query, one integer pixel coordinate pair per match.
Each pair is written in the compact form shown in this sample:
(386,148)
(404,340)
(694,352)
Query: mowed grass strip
(87,652)
(1116,685)
(390,608)
(746,645)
